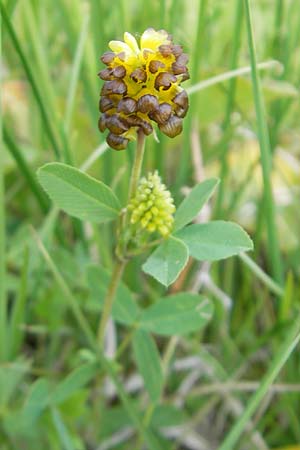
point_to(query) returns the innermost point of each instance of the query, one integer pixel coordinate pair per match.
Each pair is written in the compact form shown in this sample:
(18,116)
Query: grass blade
(25,169)
(71,15)
(40,61)
(265,151)
(94,156)
(31,79)
(43,75)
(11,5)
(3,299)
(18,310)
(68,296)
(75,72)
(198,51)
(272,64)
(281,357)
(236,40)
(261,275)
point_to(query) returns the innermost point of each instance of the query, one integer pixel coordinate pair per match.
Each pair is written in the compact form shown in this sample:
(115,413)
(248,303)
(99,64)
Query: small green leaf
(11,378)
(167,261)
(168,416)
(35,404)
(114,420)
(73,382)
(215,240)
(62,431)
(125,309)
(177,314)
(78,194)
(148,361)
(193,203)
(37,397)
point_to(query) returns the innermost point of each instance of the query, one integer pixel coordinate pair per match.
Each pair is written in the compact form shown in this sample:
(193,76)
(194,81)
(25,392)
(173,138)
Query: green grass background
(244,129)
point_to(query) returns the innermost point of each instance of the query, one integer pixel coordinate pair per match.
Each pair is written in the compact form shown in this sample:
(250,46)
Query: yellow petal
(130,134)
(119,46)
(152,39)
(131,42)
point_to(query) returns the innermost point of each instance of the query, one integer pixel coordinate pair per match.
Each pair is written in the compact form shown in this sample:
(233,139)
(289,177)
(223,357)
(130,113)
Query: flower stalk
(109,299)
(121,256)
(137,165)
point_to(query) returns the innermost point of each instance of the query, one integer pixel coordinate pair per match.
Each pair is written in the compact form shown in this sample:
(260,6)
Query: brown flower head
(142,84)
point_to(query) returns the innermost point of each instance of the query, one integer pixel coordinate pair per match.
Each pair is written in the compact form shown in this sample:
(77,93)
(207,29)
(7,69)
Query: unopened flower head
(142,84)
(152,207)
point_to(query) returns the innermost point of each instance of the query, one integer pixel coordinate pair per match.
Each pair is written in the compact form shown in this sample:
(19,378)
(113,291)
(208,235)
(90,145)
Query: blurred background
(50,94)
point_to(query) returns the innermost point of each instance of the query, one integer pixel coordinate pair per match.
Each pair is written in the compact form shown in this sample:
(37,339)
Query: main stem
(120,262)
(109,299)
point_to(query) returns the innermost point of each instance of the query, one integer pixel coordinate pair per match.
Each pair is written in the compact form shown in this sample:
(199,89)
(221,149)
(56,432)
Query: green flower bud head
(152,207)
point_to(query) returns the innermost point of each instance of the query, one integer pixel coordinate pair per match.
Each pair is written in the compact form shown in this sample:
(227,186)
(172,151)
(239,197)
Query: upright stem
(3,300)
(137,165)
(109,299)
(121,263)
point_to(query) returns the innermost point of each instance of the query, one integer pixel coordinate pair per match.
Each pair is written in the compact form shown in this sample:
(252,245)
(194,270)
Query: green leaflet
(193,203)
(78,194)
(215,240)
(177,314)
(148,362)
(167,261)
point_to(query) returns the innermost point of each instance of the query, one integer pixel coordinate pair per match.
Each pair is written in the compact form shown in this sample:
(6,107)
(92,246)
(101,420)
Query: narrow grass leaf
(18,310)
(125,310)
(76,66)
(148,362)
(25,170)
(266,154)
(3,297)
(261,275)
(282,354)
(167,261)
(193,203)
(78,194)
(27,68)
(230,102)
(273,64)
(215,240)
(177,314)
(67,294)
